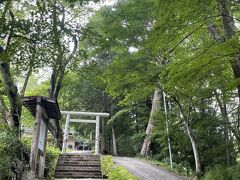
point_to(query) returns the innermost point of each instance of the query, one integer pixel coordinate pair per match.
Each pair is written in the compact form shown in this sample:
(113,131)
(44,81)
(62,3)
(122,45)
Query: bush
(106,165)
(10,153)
(52,154)
(234,171)
(222,173)
(114,172)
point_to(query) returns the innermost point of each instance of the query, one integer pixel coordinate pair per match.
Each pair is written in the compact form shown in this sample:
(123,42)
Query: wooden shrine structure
(85,114)
(47,115)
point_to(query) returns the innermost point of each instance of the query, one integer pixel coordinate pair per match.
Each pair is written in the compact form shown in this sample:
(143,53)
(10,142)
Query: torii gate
(96,121)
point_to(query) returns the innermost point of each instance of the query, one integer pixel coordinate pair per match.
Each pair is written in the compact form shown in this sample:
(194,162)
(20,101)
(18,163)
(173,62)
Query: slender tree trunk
(52,83)
(186,117)
(114,142)
(195,150)
(3,111)
(103,124)
(155,108)
(26,81)
(224,114)
(103,135)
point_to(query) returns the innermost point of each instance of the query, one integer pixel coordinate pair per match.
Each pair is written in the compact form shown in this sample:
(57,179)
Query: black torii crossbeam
(47,114)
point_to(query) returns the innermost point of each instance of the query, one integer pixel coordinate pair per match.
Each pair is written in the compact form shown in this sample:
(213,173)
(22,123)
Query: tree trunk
(195,150)
(52,83)
(12,92)
(155,108)
(103,124)
(229,30)
(58,85)
(26,81)
(186,114)
(114,142)
(103,143)
(3,111)
(224,114)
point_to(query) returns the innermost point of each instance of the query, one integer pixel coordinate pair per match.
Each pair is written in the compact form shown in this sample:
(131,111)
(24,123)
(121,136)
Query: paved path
(144,170)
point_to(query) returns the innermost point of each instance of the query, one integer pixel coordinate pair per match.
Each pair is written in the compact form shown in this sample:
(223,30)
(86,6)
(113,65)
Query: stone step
(79,163)
(78,175)
(78,168)
(86,161)
(80,156)
(77,159)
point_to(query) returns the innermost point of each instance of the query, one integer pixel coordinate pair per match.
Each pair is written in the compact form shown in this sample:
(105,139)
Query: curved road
(144,170)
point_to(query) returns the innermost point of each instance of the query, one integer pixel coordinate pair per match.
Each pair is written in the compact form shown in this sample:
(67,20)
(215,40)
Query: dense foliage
(11,150)
(168,72)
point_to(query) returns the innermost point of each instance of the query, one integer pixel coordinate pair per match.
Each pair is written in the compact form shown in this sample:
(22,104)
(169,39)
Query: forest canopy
(168,72)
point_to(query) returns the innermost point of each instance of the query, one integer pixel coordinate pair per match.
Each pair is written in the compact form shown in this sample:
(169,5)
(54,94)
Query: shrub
(52,155)
(114,172)
(10,153)
(221,172)
(234,171)
(106,164)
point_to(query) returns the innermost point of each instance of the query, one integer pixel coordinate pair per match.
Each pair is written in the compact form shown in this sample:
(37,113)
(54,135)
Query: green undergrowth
(221,172)
(114,172)
(52,154)
(11,160)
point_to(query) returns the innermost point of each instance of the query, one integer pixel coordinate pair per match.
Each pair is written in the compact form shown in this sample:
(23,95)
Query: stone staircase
(78,166)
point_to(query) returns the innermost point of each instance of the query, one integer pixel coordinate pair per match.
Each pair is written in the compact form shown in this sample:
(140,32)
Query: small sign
(42,136)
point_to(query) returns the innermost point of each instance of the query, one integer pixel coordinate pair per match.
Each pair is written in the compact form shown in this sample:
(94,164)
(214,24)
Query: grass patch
(114,172)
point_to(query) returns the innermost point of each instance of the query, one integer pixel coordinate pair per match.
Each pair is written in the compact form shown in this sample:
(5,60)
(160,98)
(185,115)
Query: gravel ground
(144,170)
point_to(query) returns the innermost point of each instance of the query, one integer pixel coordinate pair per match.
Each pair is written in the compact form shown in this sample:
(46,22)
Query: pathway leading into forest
(144,170)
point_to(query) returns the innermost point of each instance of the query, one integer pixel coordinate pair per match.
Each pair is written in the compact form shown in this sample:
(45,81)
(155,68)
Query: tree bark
(103,125)
(229,30)
(103,144)
(186,117)
(155,108)
(3,111)
(114,142)
(227,126)
(26,81)
(11,91)
(195,150)
(52,83)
